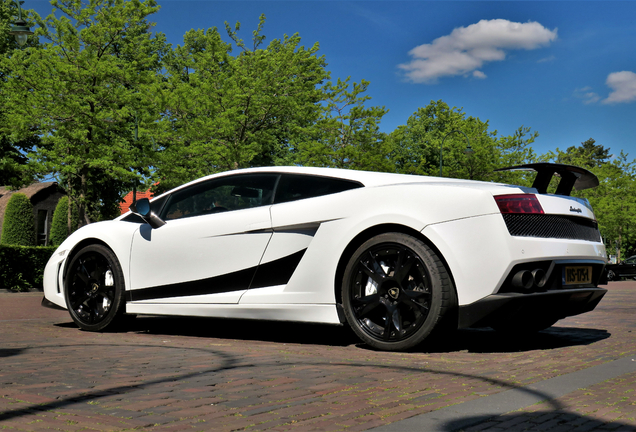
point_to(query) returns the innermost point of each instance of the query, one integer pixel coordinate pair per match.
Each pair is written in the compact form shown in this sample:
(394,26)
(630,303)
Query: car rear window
(293,187)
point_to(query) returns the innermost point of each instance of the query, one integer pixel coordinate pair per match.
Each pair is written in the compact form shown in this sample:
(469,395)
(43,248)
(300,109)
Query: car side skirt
(310,313)
(557,303)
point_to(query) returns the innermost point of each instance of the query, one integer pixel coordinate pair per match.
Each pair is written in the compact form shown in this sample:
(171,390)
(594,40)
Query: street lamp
(468,150)
(20,30)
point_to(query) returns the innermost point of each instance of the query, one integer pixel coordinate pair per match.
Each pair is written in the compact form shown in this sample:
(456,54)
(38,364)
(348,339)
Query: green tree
(18,227)
(587,155)
(60,228)
(81,93)
(514,150)
(348,134)
(13,159)
(614,203)
(438,131)
(418,144)
(223,110)
(614,200)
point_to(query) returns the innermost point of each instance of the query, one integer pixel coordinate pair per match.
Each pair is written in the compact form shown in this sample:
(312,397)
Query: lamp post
(468,150)
(20,30)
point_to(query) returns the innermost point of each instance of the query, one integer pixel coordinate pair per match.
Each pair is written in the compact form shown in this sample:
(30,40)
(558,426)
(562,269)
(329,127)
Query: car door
(302,202)
(207,252)
(628,268)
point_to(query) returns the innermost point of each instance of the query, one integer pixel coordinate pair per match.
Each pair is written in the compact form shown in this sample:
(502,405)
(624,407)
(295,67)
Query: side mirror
(142,209)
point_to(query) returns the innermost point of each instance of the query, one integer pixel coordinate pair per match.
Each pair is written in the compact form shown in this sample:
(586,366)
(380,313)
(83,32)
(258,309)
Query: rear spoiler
(571,177)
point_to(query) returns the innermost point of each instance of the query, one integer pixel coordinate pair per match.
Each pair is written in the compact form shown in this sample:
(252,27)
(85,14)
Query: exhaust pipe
(523,279)
(539,277)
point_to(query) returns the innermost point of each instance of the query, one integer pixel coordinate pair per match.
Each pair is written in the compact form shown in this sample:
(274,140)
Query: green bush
(18,227)
(22,267)
(59,226)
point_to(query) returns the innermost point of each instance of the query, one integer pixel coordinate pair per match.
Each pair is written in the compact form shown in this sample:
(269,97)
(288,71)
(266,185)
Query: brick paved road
(194,374)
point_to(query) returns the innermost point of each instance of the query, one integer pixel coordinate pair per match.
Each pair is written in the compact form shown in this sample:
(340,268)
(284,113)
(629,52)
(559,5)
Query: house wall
(44,198)
(46,203)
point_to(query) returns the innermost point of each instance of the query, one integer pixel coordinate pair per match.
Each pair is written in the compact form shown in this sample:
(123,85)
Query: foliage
(614,200)
(60,228)
(587,155)
(347,135)
(22,267)
(13,159)
(18,227)
(514,150)
(82,93)
(438,131)
(106,104)
(223,111)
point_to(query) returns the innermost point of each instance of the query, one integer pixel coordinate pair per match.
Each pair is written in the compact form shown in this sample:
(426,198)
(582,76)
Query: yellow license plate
(577,275)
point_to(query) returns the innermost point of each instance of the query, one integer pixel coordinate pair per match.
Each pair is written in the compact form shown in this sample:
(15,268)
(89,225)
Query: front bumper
(49,304)
(556,303)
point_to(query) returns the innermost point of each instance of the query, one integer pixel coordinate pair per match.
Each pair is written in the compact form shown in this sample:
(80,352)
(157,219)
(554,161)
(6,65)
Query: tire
(94,288)
(611,275)
(395,290)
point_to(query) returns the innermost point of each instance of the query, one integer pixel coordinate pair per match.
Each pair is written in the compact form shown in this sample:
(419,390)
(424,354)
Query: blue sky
(565,68)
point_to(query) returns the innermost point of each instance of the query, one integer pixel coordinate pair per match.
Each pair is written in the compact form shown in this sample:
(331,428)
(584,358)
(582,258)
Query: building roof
(124,206)
(30,191)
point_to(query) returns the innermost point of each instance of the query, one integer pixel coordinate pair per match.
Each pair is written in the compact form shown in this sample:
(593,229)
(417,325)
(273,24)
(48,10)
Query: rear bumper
(557,303)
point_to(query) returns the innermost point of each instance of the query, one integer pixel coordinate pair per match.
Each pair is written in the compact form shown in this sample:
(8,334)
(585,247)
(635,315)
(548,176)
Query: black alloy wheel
(611,275)
(94,287)
(395,290)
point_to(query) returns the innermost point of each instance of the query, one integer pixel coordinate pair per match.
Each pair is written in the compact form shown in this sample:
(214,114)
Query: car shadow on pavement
(256,330)
(8,352)
(556,419)
(470,340)
(487,340)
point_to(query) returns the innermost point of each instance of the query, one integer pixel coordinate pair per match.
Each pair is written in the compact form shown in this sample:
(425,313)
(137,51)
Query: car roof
(366,178)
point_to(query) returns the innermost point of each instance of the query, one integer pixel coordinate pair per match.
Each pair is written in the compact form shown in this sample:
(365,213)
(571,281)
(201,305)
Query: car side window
(229,193)
(292,187)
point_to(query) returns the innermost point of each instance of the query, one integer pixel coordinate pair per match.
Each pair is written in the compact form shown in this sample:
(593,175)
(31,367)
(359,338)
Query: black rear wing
(571,177)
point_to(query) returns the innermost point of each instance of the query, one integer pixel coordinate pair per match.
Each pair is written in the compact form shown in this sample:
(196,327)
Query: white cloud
(623,85)
(546,59)
(587,95)
(466,49)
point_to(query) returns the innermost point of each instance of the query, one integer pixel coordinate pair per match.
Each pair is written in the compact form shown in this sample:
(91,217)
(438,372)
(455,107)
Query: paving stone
(180,376)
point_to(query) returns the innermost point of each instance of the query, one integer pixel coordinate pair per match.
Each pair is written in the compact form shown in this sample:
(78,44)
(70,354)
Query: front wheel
(94,288)
(395,290)
(611,275)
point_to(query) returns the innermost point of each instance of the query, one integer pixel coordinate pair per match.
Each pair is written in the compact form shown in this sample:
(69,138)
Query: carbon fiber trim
(552,226)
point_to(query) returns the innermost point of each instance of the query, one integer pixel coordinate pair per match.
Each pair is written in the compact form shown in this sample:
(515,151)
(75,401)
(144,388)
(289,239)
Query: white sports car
(394,256)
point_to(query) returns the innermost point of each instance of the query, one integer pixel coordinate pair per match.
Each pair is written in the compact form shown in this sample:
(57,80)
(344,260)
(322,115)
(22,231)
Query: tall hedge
(18,227)
(59,226)
(22,267)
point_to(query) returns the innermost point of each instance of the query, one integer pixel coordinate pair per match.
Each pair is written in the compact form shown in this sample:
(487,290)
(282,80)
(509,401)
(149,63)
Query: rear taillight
(519,203)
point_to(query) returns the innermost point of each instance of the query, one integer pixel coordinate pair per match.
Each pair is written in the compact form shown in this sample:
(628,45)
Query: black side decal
(235,281)
(277,272)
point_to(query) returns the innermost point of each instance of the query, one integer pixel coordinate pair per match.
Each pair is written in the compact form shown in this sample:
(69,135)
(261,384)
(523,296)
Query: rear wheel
(395,290)
(611,275)
(94,288)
